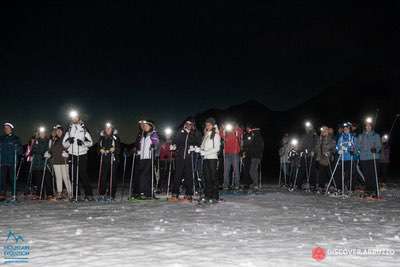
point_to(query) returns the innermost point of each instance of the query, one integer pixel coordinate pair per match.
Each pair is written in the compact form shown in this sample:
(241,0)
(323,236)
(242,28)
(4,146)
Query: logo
(318,253)
(15,249)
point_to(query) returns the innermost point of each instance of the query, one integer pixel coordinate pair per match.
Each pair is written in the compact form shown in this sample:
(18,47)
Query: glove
(340,152)
(172,147)
(191,149)
(71,140)
(202,153)
(326,154)
(112,150)
(64,154)
(79,142)
(47,155)
(373,150)
(197,149)
(102,151)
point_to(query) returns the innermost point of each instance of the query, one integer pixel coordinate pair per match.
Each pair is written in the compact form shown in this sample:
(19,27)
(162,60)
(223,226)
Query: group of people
(343,163)
(181,165)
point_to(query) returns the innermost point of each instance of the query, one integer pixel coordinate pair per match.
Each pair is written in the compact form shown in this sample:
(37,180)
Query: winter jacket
(9,144)
(253,144)
(147,141)
(347,144)
(211,145)
(56,150)
(324,149)
(385,153)
(108,142)
(184,141)
(79,132)
(165,152)
(39,147)
(365,142)
(232,140)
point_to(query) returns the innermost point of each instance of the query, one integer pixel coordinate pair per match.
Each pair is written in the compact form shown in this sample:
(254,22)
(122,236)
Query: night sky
(170,59)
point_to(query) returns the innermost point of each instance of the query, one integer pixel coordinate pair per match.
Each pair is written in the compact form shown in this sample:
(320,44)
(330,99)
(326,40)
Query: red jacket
(232,140)
(165,152)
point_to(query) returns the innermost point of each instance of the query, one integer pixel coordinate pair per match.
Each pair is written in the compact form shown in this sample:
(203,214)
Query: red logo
(319,254)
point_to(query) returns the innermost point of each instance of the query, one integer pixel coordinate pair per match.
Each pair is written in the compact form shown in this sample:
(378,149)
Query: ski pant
(142,179)
(323,175)
(83,175)
(284,172)
(164,172)
(37,176)
(6,178)
(211,180)
(246,171)
(105,177)
(62,176)
(368,169)
(347,170)
(184,171)
(383,171)
(254,171)
(231,161)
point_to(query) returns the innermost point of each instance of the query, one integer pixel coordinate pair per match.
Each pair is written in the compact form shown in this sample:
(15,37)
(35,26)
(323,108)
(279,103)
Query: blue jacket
(347,142)
(9,144)
(365,142)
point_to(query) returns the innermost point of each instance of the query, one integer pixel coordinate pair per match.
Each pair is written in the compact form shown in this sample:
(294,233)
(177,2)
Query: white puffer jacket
(210,147)
(78,132)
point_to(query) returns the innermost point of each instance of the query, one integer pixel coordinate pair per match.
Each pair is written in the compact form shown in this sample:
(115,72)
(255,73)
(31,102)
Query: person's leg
(188,176)
(105,176)
(36,182)
(207,179)
(227,170)
(213,179)
(236,170)
(65,178)
(59,177)
(145,181)
(3,173)
(178,177)
(83,176)
(48,183)
(254,171)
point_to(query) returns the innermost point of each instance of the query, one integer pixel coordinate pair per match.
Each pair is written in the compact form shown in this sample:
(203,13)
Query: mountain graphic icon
(13,236)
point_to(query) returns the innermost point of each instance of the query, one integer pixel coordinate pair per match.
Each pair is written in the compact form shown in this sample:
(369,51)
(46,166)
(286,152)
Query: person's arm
(88,139)
(378,143)
(65,142)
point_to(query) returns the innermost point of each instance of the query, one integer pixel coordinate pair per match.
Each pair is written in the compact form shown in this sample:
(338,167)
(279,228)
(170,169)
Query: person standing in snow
(40,164)
(284,157)
(10,149)
(187,142)
(253,148)
(77,141)
(324,151)
(146,145)
(346,148)
(59,157)
(109,149)
(307,145)
(210,148)
(369,145)
(232,136)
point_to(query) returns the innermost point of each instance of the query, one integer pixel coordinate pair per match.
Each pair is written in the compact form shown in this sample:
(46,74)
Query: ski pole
(15,175)
(376,176)
(77,176)
(132,171)
(152,172)
(124,171)
(342,176)
(193,175)
(29,180)
(111,175)
(19,167)
(100,173)
(351,173)
(43,176)
(169,174)
(333,173)
(260,175)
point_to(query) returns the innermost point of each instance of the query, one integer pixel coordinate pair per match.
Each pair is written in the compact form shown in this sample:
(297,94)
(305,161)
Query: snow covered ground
(276,228)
